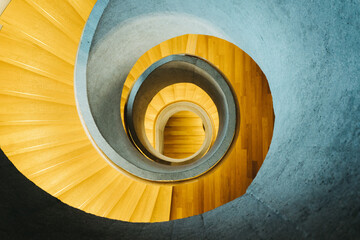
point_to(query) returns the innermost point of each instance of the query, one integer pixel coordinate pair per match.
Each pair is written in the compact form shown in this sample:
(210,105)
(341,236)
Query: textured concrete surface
(308,186)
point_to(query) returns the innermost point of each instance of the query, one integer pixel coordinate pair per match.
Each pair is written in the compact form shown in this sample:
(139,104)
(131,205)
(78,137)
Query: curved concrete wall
(308,186)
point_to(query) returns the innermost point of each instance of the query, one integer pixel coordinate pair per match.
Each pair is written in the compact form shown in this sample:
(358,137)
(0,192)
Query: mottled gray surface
(308,186)
(309,51)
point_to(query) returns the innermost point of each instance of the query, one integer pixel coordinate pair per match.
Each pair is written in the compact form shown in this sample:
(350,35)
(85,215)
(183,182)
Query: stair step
(32,24)
(126,205)
(35,59)
(108,197)
(26,161)
(83,7)
(162,207)
(86,190)
(146,205)
(62,15)
(68,155)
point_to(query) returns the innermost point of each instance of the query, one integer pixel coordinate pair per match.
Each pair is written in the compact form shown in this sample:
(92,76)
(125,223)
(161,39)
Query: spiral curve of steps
(41,133)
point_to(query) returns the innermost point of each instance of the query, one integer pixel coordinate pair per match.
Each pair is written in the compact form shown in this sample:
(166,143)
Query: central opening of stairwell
(184,135)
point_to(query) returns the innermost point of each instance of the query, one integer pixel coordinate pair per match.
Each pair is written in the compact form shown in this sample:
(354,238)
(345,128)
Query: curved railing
(172,70)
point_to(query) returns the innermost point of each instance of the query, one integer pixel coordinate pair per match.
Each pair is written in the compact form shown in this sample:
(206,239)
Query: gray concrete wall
(308,186)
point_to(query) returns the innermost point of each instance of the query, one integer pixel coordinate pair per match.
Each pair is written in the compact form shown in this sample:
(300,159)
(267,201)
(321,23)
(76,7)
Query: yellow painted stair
(40,130)
(42,135)
(184,135)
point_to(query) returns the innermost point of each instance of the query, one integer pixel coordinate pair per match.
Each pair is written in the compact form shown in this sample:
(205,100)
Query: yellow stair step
(126,205)
(162,207)
(88,189)
(145,207)
(33,24)
(62,15)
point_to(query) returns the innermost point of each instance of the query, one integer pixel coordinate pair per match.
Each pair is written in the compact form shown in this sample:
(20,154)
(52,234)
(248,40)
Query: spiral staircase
(44,132)
(44,138)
